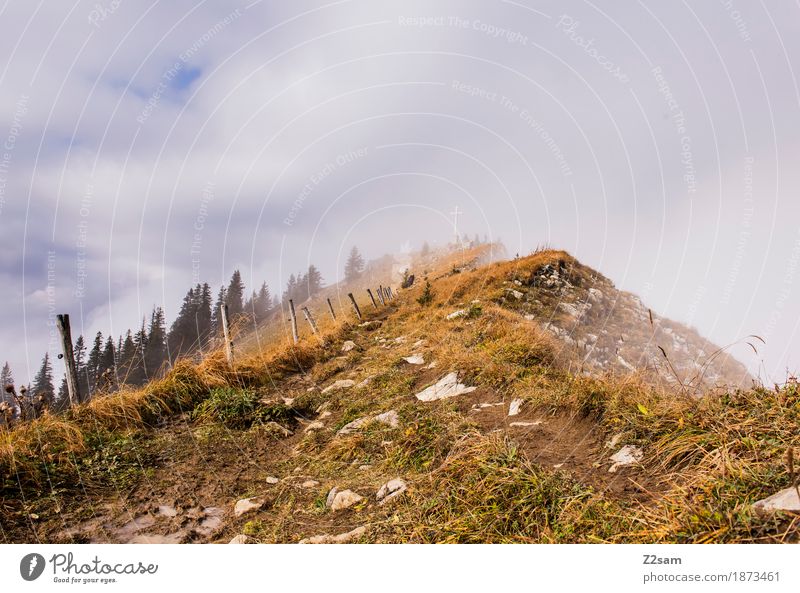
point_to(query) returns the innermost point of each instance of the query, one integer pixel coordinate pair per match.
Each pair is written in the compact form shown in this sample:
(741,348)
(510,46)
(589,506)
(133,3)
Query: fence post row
(226,332)
(293,319)
(330,307)
(372,298)
(380,295)
(355,305)
(73,387)
(310,319)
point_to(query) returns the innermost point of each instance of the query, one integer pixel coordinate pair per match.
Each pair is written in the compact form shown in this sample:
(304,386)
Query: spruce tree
(313,281)
(216,320)
(80,365)
(93,362)
(138,372)
(43,382)
(235,296)
(6,377)
(203,314)
(181,334)
(155,352)
(354,266)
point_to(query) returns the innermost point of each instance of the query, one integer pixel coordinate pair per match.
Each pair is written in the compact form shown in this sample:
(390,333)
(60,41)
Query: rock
(340,384)
(447,386)
(370,325)
(309,484)
(364,467)
(331,496)
(614,441)
(348,346)
(515,406)
(211,522)
(167,511)
(418,344)
(272,480)
(628,455)
(240,539)
(432,365)
(400,340)
(530,317)
(391,490)
(414,359)
(523,424)
(364,383)
(390,418)
(343,500)
(457,314)
(247,505)
(785,500)
(325,414)
(314,426)
(335,539)
(515,293)
(595,295)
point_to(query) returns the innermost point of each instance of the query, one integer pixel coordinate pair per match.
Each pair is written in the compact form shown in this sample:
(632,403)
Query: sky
(149,145)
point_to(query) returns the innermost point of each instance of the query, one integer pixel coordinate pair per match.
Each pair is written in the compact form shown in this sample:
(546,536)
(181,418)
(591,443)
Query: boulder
(391,490)
(447,386)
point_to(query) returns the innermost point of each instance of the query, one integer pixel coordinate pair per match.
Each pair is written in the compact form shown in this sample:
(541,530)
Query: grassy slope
(207,435)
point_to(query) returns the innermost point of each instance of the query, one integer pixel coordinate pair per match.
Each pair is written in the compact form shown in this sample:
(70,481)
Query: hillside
(522,401)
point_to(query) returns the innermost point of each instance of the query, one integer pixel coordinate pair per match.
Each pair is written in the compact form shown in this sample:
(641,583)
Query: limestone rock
(309,484)
(391,490)
(247,505)
(340,384)
(514,407)
(342,538)
(457,314)
(414,359)
(272,480)
(343,500)
(348,346)
(389,418)
(628,455)
(785,500)
(447,386)
(240,539)
(314,426)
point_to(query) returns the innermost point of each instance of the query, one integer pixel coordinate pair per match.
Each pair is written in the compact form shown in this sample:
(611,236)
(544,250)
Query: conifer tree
(354,266)
(235,296)
(43,382)
(155,351)
(93,363)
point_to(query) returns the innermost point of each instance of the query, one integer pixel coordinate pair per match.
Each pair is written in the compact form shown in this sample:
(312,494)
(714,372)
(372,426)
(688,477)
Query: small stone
(370,325)
(515,293)
(247,505)
(364,467)
(628,455)
(447,386)
(522,424)
(391,490)
(344,499)
(391,418)
(325,414)
(240,539)
(348,346)
(342,538)
(315,426)
(167,511)
(331,497)
(272,480)
(515,406)
(414,359)
(310,484)
(530,317)
(457,314)
(340,384)
(785,500)
(558,465)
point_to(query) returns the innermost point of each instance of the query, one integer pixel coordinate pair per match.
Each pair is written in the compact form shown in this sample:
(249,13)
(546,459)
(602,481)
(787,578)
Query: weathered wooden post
(310,319)
(390,293)
(73,387)
(374,304)
(355,305)
(293,319)
(380,295)
(330,308)
(226,333)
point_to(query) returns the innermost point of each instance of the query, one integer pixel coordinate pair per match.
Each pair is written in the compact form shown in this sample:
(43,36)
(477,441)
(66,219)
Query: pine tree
(107,370)
(313,282)
(354,266)
(126,358)
(291,289)
(235,296)
(138,372)
(262,303)
(62,399)
(216,320)
(80,366)
(181,335)
(43,382)
(203,314)
(93,362)
(155,352)
(6,378)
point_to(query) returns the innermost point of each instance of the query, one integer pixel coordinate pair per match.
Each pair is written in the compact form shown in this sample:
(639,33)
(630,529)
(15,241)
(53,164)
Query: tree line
(136,357)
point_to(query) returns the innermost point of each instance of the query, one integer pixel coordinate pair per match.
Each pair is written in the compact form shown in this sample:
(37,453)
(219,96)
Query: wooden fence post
(73,387)
(390,293)
(374,304)
(355,305)
(226,332)
(330,308)
(380,295)
(310,319)
(293,319)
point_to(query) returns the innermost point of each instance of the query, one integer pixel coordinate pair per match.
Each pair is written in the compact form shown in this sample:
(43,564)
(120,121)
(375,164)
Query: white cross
(455,214)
